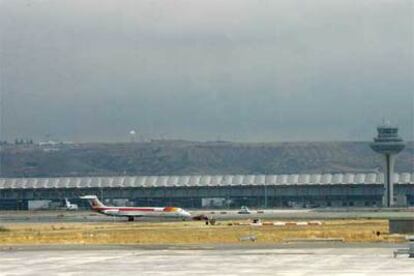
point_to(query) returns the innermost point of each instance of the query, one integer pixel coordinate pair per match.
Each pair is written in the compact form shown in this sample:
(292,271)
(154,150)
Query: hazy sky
(253,70)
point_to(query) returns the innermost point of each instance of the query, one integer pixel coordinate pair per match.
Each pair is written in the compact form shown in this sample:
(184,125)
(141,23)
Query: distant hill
(189,158)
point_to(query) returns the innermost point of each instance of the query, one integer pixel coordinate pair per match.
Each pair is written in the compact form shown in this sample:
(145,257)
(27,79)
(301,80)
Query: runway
(283,214)
(364,260)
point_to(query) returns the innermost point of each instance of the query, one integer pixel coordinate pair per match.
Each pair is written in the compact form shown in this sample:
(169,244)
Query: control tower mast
(389,144)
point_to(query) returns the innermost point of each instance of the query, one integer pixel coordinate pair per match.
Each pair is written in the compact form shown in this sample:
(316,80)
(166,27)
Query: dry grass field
(191,233)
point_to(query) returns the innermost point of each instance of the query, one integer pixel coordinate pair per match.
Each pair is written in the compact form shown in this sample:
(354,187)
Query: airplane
(70,206)
(132,212)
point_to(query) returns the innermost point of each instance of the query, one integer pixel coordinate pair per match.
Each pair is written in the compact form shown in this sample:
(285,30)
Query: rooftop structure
(202,181)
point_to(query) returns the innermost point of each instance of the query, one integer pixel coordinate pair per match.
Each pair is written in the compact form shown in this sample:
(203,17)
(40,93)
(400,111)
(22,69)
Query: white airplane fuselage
(171,212)
(131,212)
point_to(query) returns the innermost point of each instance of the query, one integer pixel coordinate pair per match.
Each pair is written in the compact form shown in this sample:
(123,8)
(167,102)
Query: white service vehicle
(244,210)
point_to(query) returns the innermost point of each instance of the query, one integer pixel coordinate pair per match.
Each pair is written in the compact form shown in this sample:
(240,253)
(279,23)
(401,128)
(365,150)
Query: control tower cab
(389,144)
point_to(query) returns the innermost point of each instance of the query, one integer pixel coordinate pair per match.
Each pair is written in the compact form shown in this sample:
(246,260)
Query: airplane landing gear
(130,218)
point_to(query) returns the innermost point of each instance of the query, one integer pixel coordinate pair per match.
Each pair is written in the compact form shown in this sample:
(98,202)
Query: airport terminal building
(209,191)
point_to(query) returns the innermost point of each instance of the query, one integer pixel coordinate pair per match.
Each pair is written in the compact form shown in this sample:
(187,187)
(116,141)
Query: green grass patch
(4,229)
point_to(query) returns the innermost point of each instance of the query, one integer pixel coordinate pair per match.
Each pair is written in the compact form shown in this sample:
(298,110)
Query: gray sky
(253,70)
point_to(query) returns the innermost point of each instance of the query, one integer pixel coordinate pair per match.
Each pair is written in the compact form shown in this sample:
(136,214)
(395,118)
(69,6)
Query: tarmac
(303,260)
(45,216)
(240,259)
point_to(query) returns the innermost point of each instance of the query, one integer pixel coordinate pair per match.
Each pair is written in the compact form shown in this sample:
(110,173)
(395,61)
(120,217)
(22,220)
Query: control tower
(389,144)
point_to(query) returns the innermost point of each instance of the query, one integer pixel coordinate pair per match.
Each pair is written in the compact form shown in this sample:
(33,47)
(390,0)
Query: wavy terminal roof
(201,180)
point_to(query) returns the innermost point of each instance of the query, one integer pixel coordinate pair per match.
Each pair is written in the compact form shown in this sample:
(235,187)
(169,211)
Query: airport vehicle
(244,210)
(70,206)
(133,212)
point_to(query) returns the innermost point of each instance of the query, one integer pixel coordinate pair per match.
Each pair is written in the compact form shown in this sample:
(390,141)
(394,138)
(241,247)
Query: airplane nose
(185,214)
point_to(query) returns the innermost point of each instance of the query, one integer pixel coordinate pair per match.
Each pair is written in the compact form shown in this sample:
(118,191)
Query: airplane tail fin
(67,203)
(94,202)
